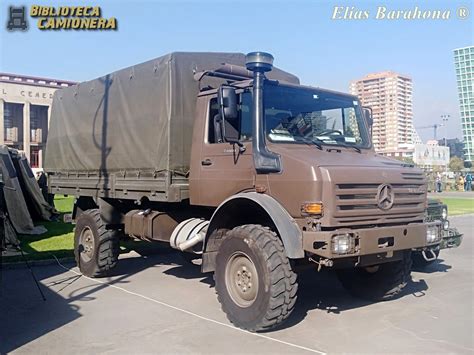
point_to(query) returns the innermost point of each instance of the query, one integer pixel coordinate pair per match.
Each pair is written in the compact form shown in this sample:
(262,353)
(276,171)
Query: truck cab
(349,204)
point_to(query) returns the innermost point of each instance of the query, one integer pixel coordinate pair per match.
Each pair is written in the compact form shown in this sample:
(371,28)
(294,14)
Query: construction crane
(436,125)
(435,128)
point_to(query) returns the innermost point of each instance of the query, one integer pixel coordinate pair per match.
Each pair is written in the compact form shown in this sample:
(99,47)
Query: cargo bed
(136,185)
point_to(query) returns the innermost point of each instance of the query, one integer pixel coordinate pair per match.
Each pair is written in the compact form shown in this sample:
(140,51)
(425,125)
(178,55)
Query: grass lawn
(58,240)
(458,206)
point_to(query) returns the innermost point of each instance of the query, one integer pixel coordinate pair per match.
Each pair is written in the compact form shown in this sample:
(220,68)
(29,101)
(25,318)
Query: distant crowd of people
(462,182)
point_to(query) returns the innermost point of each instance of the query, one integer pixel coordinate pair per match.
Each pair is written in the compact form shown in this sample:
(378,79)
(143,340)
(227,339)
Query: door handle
(206,162)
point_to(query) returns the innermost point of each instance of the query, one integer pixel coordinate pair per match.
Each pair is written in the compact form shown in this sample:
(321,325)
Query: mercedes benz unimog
(225,156)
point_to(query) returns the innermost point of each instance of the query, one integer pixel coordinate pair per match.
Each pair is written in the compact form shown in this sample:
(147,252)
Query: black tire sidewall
(382,285)
(88,268)
(247,317)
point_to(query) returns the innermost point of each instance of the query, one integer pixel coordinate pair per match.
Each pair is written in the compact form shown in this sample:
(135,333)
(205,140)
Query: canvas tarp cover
(38,207)
(15,202)
(136,118)
(7,233)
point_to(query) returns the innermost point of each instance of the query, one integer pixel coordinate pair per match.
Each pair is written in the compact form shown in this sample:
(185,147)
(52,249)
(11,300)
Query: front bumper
(451,238)
(369,241)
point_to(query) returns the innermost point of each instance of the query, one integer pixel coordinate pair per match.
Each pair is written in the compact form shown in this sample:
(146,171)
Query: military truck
(451,237)
(225,156)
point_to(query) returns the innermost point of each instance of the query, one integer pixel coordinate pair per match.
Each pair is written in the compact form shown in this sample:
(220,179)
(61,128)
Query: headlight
(433,234)
(444,214)
(446,225)
(342,243)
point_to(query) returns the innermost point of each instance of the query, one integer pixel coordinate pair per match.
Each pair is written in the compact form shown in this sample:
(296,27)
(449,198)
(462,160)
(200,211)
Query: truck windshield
(296,115)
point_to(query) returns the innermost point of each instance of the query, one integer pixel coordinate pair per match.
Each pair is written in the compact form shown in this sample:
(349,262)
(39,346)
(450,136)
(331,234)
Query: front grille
(356,203)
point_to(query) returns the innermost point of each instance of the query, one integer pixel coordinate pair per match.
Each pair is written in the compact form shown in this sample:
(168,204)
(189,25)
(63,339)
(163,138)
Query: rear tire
(377,283)
(255,283)
(96,249)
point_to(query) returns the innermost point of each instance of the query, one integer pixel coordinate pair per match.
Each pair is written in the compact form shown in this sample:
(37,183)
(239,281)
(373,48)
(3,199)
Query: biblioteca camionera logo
(60,18)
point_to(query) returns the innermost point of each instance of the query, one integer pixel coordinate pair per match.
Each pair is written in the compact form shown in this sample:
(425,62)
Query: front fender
(265,209)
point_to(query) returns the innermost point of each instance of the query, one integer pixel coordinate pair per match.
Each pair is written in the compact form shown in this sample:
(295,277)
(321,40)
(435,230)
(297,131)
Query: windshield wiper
(316,142)
(321,142)
(357,149)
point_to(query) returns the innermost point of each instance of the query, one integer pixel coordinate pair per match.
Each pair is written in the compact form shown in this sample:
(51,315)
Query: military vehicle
(451,238)
(223,155)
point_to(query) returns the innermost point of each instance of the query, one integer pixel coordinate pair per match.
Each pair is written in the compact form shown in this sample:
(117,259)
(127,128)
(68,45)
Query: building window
(38,123)
(13,125)
(35,157)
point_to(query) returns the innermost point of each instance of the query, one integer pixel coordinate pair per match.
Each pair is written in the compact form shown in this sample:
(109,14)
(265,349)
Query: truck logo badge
(385,197)
(17,18)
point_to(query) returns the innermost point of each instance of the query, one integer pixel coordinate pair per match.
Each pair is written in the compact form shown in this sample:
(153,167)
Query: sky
(301,34)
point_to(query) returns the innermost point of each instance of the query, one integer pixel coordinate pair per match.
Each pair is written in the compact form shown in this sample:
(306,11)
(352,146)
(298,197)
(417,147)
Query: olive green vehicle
(451,238)
(224,156)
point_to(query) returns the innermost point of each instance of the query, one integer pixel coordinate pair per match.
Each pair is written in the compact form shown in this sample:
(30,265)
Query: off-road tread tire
(280,298)
(107,245)
(420,262)
(382,285)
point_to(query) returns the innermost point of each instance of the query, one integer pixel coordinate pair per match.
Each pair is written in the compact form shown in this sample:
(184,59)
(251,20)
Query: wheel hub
(241,279)
(87,243)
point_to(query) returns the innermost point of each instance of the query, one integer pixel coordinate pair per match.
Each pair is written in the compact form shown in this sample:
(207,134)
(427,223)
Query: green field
(458,206)
(57,240)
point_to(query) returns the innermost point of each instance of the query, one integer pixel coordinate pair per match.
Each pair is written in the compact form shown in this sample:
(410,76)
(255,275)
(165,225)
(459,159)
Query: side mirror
(368,118)
(227,99)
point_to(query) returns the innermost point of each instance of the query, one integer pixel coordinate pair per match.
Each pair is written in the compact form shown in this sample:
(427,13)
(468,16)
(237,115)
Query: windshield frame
(364,129)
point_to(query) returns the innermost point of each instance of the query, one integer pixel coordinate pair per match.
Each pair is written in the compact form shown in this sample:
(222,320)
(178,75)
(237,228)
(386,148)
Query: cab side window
(242,124)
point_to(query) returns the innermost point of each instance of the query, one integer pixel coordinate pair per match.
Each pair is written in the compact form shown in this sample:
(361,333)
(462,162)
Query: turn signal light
(313,208)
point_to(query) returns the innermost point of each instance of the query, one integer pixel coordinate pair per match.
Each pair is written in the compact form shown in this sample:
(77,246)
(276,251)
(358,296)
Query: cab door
(224,169)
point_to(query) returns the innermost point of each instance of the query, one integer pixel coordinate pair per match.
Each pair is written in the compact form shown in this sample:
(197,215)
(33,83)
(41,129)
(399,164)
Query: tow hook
(429,258)
(322,262)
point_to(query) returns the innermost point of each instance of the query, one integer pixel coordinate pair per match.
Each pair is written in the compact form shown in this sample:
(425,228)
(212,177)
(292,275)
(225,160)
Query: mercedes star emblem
(385,197)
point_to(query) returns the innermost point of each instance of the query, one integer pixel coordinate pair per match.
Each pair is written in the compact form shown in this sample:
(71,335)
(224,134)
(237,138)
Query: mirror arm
(239,143)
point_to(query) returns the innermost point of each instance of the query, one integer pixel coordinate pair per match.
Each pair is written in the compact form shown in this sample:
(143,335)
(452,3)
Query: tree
(456,164)
(467,164)
(406,160)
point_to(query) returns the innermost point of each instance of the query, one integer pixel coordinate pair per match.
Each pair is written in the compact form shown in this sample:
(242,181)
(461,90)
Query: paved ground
(156,304)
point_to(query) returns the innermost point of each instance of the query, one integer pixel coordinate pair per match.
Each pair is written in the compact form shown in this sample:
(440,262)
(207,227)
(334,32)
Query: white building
(25,108)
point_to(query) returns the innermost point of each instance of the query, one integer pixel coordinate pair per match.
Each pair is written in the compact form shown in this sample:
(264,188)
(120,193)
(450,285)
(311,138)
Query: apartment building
(389,94)
(464,65)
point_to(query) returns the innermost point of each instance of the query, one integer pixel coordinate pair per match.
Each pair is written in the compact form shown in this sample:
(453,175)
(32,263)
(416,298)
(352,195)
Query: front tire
(96,249)
(255,283)
(377,283)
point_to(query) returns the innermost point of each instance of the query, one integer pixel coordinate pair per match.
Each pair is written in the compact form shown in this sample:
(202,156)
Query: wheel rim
(241,279)
(87,242)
